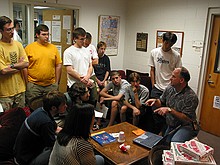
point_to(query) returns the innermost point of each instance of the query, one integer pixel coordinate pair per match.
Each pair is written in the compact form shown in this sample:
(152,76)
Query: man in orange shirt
(45,65)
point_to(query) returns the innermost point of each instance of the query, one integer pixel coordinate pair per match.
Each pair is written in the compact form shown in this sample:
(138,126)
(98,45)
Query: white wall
(88,19)
(149,16)
(4,8)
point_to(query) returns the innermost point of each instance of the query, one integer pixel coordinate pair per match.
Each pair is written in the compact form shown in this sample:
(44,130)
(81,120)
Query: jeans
(99,160)
(184,133)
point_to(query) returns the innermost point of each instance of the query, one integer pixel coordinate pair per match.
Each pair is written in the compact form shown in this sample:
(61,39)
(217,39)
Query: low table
(112,152)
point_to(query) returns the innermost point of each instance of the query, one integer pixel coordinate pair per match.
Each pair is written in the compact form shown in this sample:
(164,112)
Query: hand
(89,83)
(136,112)
(150,102)
(102,99)
(134,89)
(21,59)
(58,129)
(84,80)
(162,111)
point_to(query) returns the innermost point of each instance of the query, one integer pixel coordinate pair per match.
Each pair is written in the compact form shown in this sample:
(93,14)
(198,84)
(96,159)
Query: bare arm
(104,93)
(164,110)
(95,61)
(16,68)
(73,73)
(25,72)
(58,71)
(152,102)
(152,75)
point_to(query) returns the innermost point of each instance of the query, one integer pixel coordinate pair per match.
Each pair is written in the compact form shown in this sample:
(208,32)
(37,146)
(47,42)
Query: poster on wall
(178,46)
(141,42)
(109,33)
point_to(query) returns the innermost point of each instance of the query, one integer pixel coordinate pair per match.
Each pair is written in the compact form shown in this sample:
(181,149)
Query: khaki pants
(13,101)
(34,90)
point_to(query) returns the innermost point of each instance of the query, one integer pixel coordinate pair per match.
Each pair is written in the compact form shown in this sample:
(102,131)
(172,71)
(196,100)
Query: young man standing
(91,50)
(163,61)
(36,137)
(13,60)
(103,69)
(135,97)
(45,65)
(118,87)
(77,61)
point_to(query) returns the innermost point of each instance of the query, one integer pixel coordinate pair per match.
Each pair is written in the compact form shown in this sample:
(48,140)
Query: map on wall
(109,33)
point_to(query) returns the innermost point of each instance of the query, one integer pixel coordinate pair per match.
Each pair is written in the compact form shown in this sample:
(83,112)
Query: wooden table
(111,151)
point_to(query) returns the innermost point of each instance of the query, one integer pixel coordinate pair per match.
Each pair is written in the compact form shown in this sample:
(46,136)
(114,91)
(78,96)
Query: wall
(88,19)
(149,16)
(4,9)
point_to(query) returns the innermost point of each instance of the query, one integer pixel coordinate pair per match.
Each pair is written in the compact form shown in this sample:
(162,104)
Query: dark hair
(78,32)
(88,36)
(40,28)
(77,123)
(53,98)
(76,90)
(100,44)
(3,21)
(16,22)
(114,73)
(184,73)
(134,75)
(170,37)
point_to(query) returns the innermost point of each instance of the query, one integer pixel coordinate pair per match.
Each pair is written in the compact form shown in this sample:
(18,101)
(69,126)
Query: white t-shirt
(17,37)
(79,59)
(164,64)
(93,54)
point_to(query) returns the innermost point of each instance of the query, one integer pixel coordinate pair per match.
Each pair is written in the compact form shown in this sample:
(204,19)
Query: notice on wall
(56,17)
(68,37)
(216,102)
(56,31)
(59,47)
(66,22)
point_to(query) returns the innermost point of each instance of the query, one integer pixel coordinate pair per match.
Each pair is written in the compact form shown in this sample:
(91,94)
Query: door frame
(205,55)
(30,13)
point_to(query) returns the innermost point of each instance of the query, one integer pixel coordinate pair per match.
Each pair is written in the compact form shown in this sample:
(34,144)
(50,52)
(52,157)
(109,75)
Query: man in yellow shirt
(13,60)
(45,65)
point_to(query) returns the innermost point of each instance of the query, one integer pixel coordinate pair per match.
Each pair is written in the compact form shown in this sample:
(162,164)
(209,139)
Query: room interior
(144,16)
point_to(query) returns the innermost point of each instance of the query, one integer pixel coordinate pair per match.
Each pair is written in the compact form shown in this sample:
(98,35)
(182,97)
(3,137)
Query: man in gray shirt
(135,97)
(118,86)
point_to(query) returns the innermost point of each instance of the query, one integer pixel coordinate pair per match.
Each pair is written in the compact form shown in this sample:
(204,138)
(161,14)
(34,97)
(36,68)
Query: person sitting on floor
(135,97)
(118,86)
(37,134)
(72,146)
(180,107)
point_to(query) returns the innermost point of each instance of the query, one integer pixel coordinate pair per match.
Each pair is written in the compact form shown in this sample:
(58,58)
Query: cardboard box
(196,149)
(182,158)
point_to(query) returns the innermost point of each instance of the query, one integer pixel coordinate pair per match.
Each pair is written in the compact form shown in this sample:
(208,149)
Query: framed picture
(109,33)
(178,46)
(141,42)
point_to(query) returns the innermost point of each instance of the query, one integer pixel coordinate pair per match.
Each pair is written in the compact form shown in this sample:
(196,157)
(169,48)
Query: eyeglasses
(9,29)
(82,39)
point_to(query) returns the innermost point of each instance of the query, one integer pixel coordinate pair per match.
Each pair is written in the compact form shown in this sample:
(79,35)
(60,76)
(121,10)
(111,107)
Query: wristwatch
(169,109)
(12,66)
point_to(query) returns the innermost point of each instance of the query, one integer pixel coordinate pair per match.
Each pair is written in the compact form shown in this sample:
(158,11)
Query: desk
(111,151)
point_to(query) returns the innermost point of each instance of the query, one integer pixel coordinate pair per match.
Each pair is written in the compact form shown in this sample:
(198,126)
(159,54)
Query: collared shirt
(185,101)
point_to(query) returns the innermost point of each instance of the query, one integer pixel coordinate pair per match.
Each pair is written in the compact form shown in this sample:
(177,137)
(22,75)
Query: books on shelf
(103,138)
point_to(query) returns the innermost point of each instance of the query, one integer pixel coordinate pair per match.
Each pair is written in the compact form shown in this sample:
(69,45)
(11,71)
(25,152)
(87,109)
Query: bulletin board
(141,42)
(178,46)
(109,33)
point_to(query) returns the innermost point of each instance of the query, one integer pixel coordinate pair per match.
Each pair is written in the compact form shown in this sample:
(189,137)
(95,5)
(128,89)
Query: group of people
(36,71)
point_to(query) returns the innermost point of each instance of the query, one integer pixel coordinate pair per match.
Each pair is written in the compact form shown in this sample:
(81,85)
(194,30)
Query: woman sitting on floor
(72,146)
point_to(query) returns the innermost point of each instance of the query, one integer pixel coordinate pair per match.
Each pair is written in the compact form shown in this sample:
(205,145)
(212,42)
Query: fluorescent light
(41,7)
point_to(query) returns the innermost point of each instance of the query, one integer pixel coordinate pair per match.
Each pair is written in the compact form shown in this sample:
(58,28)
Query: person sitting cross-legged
(135,98)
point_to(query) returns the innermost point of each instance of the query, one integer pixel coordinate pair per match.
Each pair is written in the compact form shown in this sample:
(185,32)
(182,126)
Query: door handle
(210,82)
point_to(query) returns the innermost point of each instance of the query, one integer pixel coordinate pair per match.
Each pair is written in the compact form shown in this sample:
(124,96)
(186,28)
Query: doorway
(210,102)
(61,21)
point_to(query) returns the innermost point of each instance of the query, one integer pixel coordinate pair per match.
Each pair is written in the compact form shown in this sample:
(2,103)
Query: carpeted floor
(212,141)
